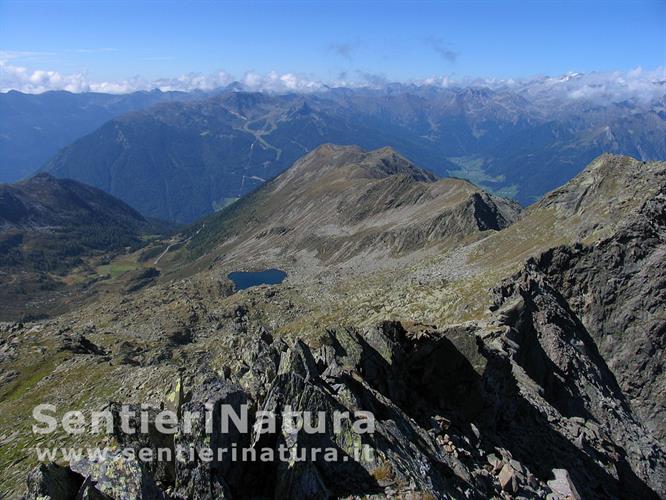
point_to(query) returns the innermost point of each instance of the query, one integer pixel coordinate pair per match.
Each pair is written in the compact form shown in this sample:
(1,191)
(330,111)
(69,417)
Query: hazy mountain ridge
(33,127)
(181,161)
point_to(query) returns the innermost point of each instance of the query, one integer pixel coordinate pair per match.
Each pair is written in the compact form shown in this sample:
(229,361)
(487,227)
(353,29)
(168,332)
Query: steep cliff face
(561,372)
(617,288)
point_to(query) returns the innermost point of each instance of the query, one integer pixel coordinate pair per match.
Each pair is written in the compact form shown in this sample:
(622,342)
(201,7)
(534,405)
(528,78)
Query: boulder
(54,482)
(118,476)
(79,344)
(507,479)
(563,486)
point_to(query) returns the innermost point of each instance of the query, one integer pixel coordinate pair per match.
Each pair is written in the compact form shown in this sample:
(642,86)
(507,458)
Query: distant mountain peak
(45,201)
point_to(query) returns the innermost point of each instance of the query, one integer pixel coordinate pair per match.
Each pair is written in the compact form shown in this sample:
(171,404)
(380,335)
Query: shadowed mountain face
(48,226)
(180,161)
(44,202)
(341,201)
(33,127)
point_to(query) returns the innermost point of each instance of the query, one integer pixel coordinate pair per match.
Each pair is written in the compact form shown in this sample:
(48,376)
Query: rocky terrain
(616,287)
(505,355)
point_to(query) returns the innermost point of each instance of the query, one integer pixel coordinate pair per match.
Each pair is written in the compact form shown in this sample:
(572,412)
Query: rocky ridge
(471,411)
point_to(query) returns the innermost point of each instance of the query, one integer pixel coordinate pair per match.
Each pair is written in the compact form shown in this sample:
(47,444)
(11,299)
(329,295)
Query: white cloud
(191,81)
(36,81)
(615,86)
(275,82)
(15,77)
(603,86)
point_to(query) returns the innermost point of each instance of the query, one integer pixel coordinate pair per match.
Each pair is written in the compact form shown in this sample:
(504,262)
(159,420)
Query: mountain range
(185,158)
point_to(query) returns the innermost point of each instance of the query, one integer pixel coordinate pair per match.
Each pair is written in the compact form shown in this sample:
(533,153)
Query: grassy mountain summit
(338,202)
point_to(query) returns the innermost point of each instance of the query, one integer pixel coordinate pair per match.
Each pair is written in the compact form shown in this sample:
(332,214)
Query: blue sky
(330,41)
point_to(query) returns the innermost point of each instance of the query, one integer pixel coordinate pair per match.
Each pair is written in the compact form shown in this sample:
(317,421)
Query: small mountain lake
(243,280)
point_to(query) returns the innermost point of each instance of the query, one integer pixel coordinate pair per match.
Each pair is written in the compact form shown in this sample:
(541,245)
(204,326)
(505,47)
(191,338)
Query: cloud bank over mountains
(637,83)
(20,78)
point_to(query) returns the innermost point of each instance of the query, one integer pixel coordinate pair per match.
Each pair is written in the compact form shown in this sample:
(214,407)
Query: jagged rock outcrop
(201,478)
(581,414)
(523,405)
(617,288)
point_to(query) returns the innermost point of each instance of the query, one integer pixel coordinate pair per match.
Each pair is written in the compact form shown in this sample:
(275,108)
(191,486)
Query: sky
(124,45)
